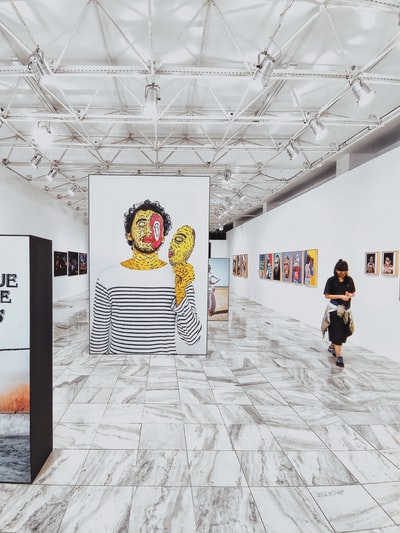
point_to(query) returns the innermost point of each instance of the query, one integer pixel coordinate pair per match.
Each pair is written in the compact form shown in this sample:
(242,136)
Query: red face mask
(157,230)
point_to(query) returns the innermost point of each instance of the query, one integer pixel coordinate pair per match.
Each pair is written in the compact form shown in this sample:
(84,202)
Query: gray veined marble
(262,435)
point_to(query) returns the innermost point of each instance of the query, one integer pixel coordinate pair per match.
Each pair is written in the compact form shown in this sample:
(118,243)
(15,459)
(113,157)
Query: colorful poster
(149,269)
(287,267)
(269,265)
(311,268)
(261,266)
(277,271)
(297,267)
(218,289)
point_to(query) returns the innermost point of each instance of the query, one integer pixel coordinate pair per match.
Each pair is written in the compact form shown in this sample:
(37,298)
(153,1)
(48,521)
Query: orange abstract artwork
(16,400)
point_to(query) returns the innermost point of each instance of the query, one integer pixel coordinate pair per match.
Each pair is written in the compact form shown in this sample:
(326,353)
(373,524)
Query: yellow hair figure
(180,249)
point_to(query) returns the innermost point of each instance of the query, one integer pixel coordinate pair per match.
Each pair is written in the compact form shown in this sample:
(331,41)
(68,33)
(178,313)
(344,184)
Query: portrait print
(82,263)
(287,267)
(261,266)
(218,288)
(148,260)
(269,260)
(311,267)
(297,267)
(277,271)
(60,263)
(390,263)
(372,263)
(73,265)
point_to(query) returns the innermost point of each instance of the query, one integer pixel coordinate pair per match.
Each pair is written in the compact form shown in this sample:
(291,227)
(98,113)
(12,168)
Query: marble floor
(264,434)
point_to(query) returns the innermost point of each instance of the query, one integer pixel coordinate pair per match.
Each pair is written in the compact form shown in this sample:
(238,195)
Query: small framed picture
(372,263)
(390,263)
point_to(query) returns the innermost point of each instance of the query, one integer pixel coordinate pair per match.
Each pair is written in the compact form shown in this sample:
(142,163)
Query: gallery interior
(289,112)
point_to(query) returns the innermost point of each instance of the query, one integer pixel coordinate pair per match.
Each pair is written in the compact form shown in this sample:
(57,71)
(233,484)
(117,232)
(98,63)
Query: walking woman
(339,290)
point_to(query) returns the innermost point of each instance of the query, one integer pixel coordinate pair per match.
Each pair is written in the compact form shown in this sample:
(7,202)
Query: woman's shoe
(339,361)
(331,349)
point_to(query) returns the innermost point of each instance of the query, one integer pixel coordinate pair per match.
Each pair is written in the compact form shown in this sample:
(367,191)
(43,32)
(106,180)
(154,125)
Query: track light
(151,99)
(292,151)
(318,129)
(72,190)
(264,68)
(38,67)
(36,160)
(52,172)
(362,92)
(227,175)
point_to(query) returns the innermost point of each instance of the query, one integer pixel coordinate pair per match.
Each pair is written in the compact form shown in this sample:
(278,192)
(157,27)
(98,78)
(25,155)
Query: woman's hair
(341,265)
(144,206)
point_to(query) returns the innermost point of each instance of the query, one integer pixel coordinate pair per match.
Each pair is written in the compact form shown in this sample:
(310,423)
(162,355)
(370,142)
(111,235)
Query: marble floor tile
(94,507)
(341,437)
(162,509)
(320,468)
(207,437)
(62,467)
(293,438)
(255,437)
(226,509)
(201,414)
(116,436)
(88,413)
(118,467)
(289,510)
(350,508)
(162,437)
(369,466)
(381,437)
(123,414)
(268,469)
(215,469)
(388,497)
(161,468)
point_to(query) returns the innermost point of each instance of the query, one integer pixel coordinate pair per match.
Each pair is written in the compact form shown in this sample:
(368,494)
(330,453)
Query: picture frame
(372,263)
(269,265)
(287,267)
(311,267)
(297,267)
(389,263)
(277,267)
(261,266)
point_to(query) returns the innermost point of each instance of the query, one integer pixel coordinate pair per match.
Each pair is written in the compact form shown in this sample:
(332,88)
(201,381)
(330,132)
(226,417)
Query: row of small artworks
(69,263)
(301,267)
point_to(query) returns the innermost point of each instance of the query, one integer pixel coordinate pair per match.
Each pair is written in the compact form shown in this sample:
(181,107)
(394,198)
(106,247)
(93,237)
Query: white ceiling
(215,117)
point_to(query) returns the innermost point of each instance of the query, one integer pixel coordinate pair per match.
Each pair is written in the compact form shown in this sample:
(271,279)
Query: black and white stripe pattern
(141,319)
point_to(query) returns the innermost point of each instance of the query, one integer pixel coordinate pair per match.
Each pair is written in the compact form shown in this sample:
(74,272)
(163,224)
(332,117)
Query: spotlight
(292,151)
(151,99)
(38,67)
(264,68)
(52,172)
(362,92)
(318,129)
(227,175)
(36,160)
(72,190)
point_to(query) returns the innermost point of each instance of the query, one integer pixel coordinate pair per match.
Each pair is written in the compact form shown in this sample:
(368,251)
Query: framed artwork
(310,267)
(148,253)
(73,267)
(244,265)
(82,263)
(234,265)
(269,261)
(261,266)
(277,270)
(372,263)
(390,263)
(297,267)
(287,267)
(218,289)
(238,265)
(60,263)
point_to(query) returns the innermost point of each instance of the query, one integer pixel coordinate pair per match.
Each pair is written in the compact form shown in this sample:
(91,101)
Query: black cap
(342,266)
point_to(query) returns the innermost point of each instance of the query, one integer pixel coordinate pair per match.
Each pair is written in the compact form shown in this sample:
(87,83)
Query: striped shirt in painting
(135,312)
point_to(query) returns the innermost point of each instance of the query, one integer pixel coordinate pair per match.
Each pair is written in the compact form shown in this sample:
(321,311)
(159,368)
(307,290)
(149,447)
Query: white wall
(25,210)
(355,213)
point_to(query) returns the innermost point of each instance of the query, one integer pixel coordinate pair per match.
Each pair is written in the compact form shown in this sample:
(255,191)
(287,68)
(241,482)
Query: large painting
(218,288)
(14,361)
(148,254)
